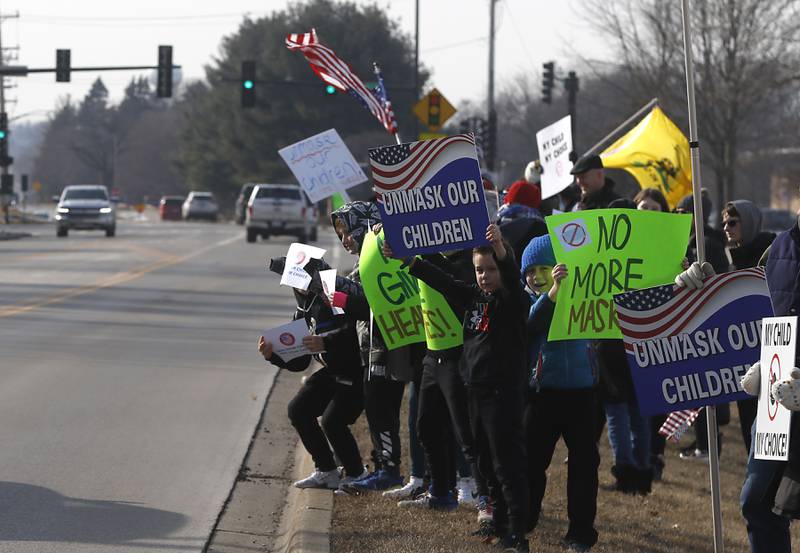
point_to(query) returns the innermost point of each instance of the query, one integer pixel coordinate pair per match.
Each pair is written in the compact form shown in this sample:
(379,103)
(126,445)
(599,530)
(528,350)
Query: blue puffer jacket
(559,365)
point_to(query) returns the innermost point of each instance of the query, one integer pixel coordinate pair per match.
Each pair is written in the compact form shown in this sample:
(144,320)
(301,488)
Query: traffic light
(330,90)
(63,65)
(6,184)
(434,101)
(548,81)
(164,86)
(23,183)
(248,84)
(5,159)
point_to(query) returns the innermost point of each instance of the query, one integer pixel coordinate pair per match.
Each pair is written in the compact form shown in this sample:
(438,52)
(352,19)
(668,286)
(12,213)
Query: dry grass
(676,518)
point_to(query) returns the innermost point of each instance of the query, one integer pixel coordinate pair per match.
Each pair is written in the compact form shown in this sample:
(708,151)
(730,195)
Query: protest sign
(555,144)
(392,293)
(608,251)
(773,421)
(287,340)
(689,348)
(328,279)
(431,195)
(322,165)
(296,258)
(443,330)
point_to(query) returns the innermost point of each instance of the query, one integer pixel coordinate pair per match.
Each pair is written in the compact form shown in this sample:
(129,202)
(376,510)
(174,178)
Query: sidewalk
(264,512)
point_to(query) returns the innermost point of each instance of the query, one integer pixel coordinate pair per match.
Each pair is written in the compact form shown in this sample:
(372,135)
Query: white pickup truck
(280,209)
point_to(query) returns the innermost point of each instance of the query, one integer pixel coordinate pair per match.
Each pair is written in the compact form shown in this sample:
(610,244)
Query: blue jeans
(767,532)
(629,434)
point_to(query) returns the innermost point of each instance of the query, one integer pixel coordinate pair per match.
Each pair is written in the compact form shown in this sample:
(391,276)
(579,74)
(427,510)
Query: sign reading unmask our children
(690,348)
(405,310)
(608,251)
(322,165)
(430,195)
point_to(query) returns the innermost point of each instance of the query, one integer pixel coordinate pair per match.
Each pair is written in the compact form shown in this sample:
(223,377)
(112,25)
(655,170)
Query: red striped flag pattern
(331,69)
(677,423)
(402,166)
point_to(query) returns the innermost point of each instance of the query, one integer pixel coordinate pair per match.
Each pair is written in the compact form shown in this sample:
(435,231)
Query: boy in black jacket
(494,366)
(334,392)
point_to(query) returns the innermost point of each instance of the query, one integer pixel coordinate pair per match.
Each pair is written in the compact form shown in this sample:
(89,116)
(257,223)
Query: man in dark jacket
(741,221)
(597,190)
(771,491)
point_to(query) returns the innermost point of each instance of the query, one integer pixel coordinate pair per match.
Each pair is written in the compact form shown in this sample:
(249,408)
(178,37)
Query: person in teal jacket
(560,401)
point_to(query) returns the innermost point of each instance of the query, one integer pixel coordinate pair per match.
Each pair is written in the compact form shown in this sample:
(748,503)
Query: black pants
(382,399)
(443,415)
(496,420)
(658,442)
(339,405)
(747,414)
(568,414)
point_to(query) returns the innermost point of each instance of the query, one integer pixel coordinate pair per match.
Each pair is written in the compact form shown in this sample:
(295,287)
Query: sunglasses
(731,223)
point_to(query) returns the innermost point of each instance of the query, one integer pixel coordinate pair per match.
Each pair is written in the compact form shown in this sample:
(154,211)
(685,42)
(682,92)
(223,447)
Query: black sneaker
(514,543)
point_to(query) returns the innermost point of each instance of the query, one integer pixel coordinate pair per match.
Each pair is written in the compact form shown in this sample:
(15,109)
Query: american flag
(668,310)
(331,69)
(677,423)
(402,166)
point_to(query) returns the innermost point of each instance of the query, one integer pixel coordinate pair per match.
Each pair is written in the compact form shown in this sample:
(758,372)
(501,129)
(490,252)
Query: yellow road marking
(115,280)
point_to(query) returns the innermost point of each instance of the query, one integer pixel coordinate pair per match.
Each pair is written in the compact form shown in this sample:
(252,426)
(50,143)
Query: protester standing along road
(334,392)
(494,361)
(741,222)
(562,374)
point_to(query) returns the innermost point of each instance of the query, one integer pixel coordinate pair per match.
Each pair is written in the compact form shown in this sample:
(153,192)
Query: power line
(456,44)
(519,36)
(51,17)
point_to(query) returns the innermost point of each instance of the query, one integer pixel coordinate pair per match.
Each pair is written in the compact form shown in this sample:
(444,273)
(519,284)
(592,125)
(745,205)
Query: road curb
(306,521)
(14,235)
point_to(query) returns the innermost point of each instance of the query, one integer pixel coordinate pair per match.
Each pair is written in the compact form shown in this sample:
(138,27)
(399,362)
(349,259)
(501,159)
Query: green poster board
(393,295)
(443,330)
(608,251)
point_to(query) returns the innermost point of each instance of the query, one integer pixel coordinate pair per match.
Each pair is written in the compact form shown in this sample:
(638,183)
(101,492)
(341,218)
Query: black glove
(277,264)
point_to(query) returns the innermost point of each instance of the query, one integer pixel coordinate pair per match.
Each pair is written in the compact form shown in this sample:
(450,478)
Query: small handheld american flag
(332,70)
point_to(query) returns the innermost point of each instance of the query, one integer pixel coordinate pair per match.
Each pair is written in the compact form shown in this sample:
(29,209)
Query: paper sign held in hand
(328,278)
(296,258)
(287,340)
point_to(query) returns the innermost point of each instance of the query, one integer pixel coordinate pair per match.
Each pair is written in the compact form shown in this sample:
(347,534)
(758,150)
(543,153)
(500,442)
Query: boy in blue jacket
(560,401)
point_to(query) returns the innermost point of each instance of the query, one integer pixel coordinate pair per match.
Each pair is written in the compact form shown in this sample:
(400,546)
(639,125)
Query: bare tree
(747,55)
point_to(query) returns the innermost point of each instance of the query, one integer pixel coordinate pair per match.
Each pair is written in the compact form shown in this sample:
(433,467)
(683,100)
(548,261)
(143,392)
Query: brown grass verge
(676,518)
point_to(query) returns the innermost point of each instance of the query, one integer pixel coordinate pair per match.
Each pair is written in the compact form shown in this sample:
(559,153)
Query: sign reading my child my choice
(689,348)
(608,251)
(773,421)
(431,195)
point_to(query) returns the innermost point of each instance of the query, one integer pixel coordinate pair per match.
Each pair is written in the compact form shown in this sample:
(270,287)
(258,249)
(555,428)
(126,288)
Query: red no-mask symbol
(573,234)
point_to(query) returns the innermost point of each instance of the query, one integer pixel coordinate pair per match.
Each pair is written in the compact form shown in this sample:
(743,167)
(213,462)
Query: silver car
(85,207)
(200,205)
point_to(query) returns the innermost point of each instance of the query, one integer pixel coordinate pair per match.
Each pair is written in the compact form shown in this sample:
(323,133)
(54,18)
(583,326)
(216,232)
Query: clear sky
(453,40)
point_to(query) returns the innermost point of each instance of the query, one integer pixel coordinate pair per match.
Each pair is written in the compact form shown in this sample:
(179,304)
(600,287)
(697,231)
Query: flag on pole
(656,153)
(332,70)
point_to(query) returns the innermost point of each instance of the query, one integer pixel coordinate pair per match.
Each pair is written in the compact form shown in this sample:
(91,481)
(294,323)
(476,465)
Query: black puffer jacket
(601,198)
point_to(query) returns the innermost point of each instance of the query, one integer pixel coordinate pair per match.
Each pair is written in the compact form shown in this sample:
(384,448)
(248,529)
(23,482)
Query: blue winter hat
(539,251)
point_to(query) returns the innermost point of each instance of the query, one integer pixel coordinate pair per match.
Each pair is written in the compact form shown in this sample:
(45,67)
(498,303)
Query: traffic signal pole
(490,152)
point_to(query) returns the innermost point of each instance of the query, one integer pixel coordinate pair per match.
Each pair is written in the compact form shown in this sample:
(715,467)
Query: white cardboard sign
(296,258)
(778,339)
(287,340)
(328,278)
(555,144)
(322,165)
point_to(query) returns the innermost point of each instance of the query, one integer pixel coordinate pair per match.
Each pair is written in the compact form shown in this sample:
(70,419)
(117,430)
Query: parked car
(776,220)
(241,202)
(200,205)
(170,208)
(85,207)
(280,209)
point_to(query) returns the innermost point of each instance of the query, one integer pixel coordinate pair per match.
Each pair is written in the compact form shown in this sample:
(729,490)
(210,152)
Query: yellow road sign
(430,135)
(434,110)
(37,186)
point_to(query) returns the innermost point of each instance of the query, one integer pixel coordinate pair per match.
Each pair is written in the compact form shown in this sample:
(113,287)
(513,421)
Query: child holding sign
(560,402)
(334,392)
(493,359)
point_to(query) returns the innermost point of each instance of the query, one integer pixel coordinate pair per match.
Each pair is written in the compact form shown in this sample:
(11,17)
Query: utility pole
(571,86)
(492,114)
(416,65)
(4,169)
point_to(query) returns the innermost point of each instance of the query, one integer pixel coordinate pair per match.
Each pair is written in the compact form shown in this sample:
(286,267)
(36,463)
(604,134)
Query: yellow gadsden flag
(656,153)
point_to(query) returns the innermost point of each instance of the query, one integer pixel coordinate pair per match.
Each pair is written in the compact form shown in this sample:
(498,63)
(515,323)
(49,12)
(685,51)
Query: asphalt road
(131,384)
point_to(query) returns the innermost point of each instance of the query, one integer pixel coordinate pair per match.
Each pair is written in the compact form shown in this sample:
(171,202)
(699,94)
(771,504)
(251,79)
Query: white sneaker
(466,491)
(328,480)
(409,490)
